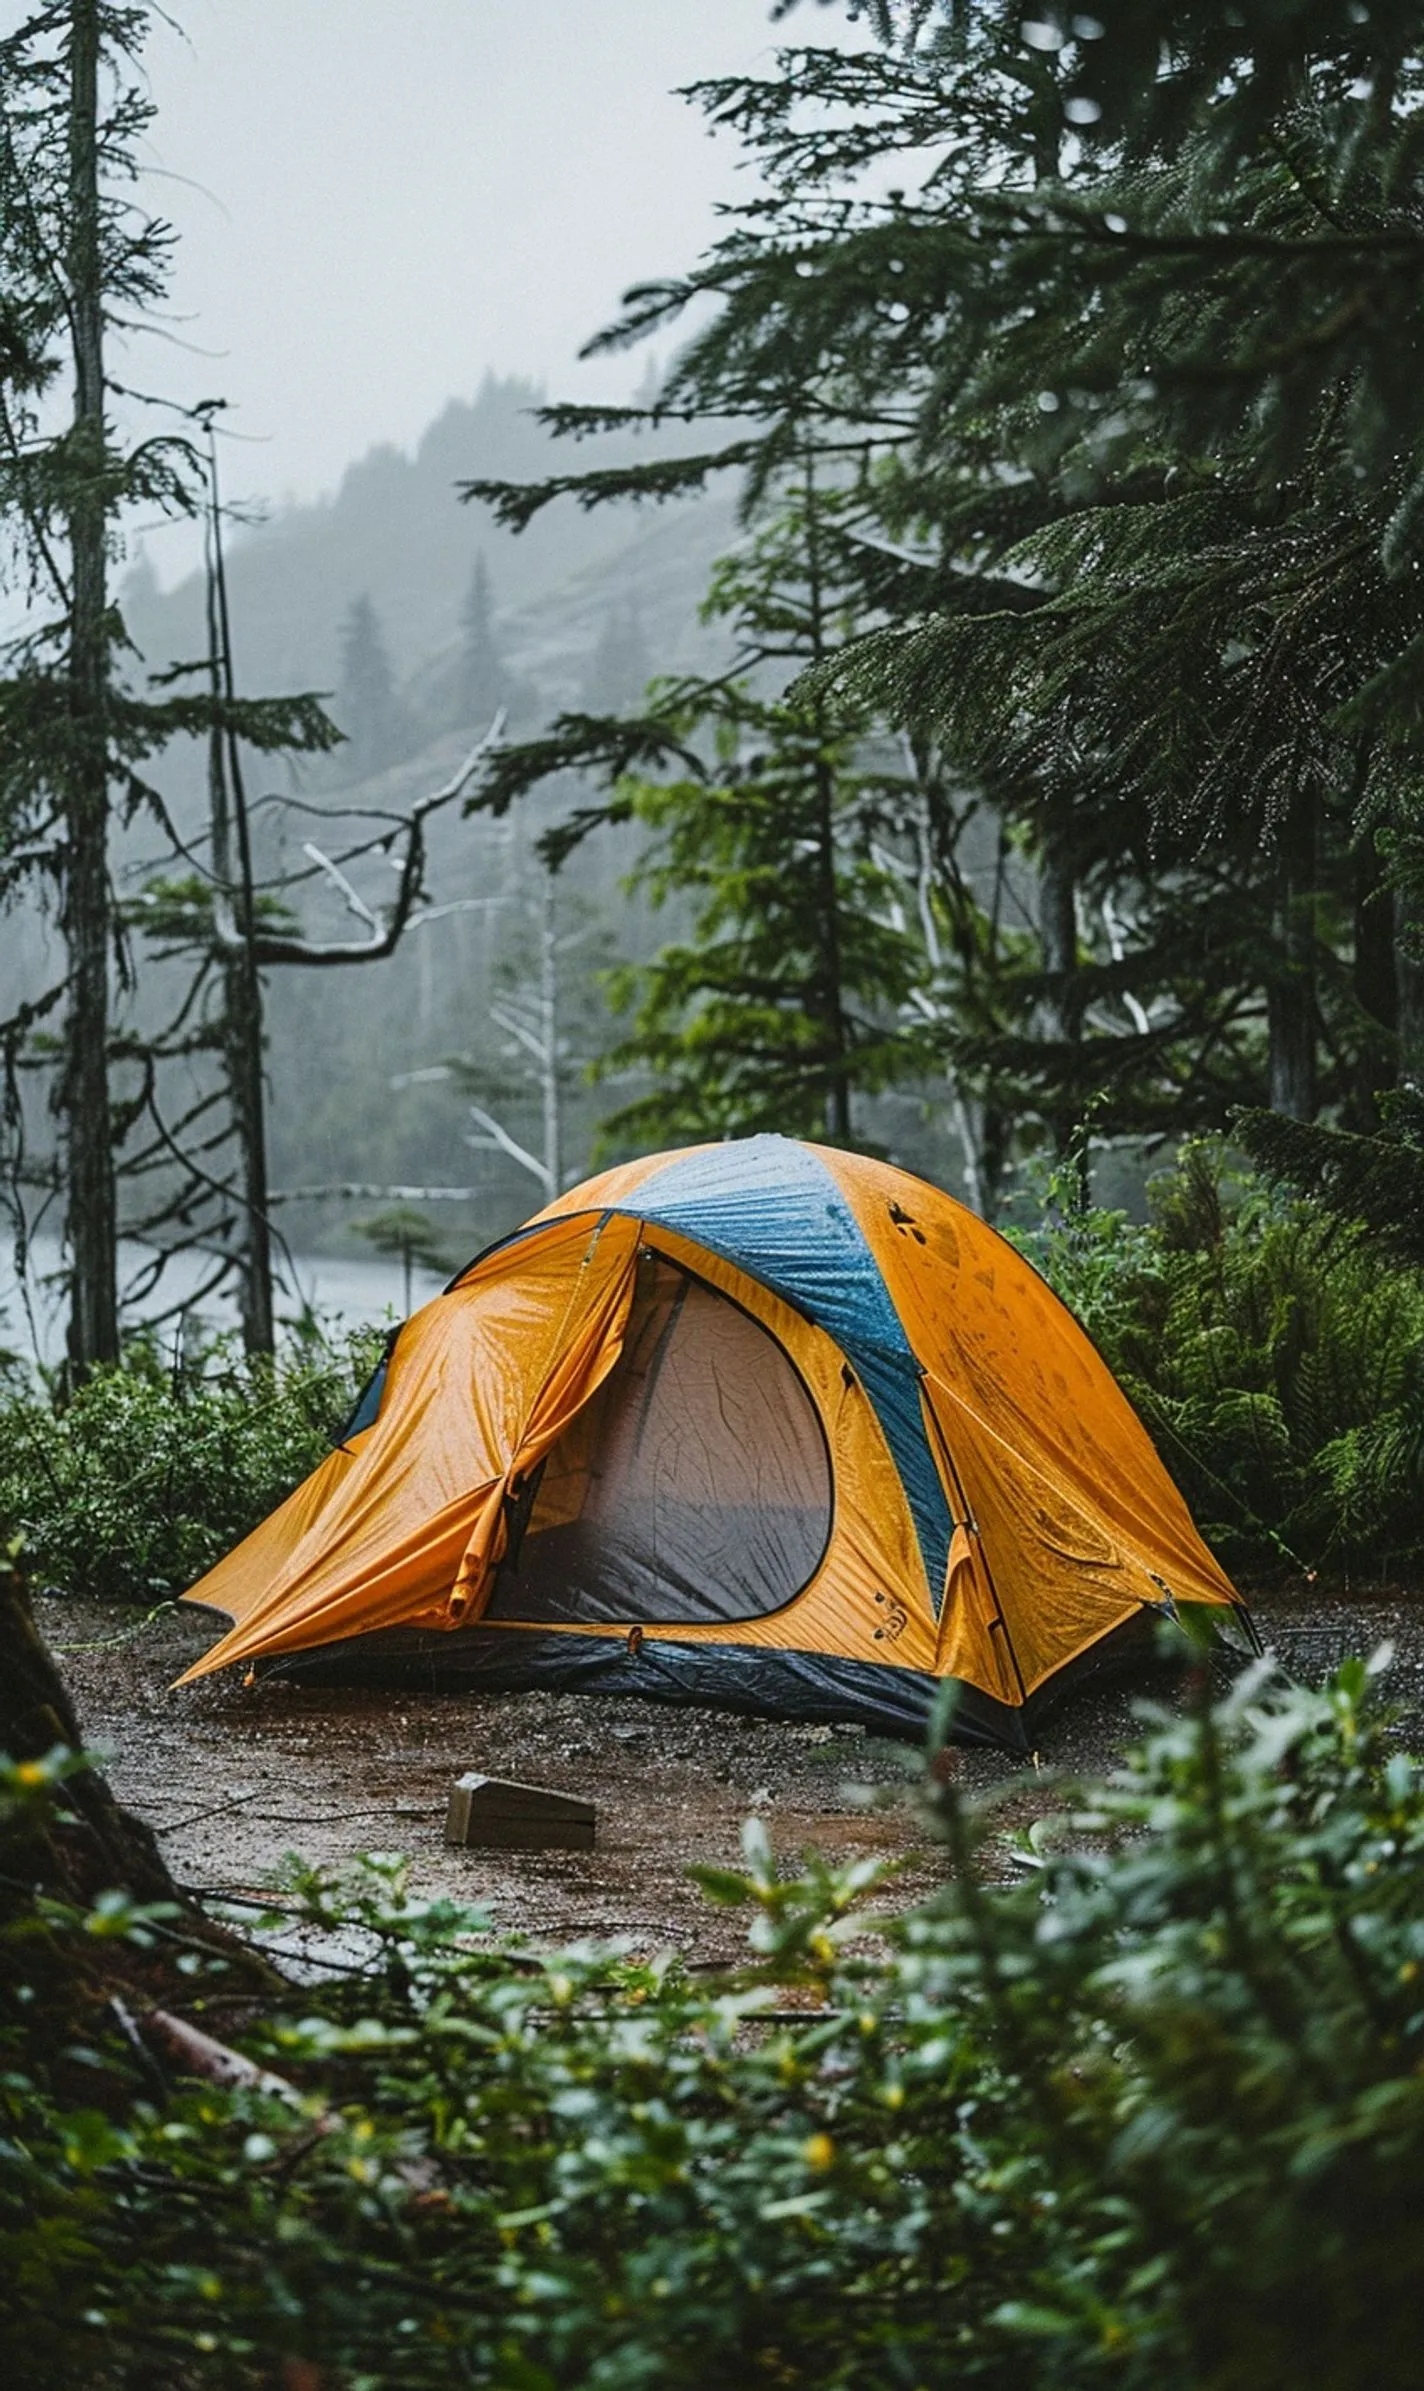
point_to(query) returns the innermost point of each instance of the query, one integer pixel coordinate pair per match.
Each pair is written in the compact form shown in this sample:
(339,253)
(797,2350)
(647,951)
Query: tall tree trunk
(552,1090)
(242,1032)
(1290,997)
(1060,1013)
(1409,980)
(838,1128)
(243,1011)
(831,991)
(1376,987)
(84,1091)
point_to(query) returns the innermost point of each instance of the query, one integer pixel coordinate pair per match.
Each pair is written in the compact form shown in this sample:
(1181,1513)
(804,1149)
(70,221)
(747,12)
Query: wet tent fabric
(410,1517)
(763,1423)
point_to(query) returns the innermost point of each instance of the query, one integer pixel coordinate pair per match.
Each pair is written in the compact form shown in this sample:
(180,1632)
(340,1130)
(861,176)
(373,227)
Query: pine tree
(1375,1178)
(368,706)
(1327,86)
(75,258)
(620,667)
(1130,540)
(790,995)
(1167,655)
(482,677)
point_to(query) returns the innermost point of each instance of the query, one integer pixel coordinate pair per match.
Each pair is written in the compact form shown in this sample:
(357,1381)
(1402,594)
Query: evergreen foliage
(368,706)
(1277,1364)
(482,678)
(138,1485)
(1331,303)
(781,1003)
(1151,2113)
(1375,1180)
(407,1235)
(1128,545)
(79,259)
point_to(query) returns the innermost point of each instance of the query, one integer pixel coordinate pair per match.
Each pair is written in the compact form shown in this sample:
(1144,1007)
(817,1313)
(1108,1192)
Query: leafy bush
(1275,1355)
(149,1474)
(1153,2115)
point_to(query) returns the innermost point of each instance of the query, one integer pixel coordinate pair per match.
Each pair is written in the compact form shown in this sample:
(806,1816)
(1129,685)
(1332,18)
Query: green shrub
(143,1480)
(1275,1354)
(1152,2115)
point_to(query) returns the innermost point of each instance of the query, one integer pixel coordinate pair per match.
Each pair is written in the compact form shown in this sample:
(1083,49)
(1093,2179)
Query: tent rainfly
(760,1424)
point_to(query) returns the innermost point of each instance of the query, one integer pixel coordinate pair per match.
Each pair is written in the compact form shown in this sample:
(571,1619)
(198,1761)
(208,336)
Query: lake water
(340,1289)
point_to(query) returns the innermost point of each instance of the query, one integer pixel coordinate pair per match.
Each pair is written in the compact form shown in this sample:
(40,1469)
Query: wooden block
(496,1814)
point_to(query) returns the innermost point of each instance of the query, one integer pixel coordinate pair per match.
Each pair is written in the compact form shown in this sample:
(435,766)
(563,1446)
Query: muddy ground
(232,1777)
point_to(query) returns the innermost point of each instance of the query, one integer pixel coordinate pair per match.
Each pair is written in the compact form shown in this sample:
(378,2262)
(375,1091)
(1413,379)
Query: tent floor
(747,1679)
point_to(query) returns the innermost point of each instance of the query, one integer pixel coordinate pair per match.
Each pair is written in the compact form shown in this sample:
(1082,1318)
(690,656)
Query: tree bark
(1060,1013)
(838,1128)
(243,1011)
(100,1845)
(1376,988)
(84,1090)
(829,997)
(84,1844)
(1290,996)
(551,1088)
(1409,980)
(243,1041)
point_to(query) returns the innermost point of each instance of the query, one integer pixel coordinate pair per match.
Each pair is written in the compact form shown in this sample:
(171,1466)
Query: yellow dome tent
(761,1424)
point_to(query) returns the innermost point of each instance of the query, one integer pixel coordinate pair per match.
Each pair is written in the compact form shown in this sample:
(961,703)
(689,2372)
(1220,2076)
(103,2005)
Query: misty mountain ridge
(421,617)
(397,535)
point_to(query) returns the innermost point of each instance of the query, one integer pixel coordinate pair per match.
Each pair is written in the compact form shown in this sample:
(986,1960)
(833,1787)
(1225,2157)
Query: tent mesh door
(695,1486)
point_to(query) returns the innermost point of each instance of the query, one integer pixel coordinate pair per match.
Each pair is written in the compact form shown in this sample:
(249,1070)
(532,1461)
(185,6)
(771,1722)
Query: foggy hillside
(420,617)
(397,533)
(577,611)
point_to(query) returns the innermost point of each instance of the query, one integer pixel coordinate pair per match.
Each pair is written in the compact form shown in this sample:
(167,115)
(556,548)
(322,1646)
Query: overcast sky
(379,200)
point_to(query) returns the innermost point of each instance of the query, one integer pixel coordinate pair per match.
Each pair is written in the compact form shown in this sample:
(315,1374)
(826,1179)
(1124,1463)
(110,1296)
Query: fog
(376,203)
(394,225)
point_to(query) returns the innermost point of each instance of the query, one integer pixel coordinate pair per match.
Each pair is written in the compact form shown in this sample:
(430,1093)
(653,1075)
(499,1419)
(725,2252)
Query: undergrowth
(1275,1355)
(153,1470)
(1152,2116)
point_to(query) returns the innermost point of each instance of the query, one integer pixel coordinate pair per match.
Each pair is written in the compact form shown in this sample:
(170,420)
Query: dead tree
(230,920)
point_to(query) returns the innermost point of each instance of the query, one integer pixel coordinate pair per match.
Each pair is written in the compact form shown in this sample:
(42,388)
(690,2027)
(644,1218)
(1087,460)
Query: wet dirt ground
(232,1777)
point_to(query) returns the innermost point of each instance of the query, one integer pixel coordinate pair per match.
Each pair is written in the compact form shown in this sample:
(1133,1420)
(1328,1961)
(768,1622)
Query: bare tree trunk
(243,1021)
(87,1844)
(84,1091)
(1376,986)
(1290,998)
(1058,949)
(1409,980)
(830,993)
(549,1036)
(984,1137)
(242,1032)
(245,1052)
(838,1128)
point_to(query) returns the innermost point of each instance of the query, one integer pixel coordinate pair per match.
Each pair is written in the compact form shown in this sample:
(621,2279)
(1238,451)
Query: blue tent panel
(772,1208)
